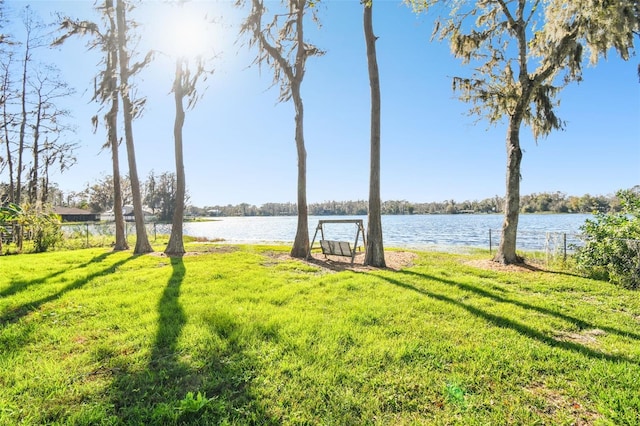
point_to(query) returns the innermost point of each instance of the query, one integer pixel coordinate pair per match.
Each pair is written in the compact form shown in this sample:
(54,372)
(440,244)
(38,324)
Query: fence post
(564,240)
(86,225)
(155,231)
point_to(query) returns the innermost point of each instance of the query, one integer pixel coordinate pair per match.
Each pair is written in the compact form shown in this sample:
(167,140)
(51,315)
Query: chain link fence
(553,245)
(102,234)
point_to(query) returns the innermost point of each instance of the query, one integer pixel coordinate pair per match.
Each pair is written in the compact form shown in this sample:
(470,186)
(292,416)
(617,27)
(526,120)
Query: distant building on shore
(73,214)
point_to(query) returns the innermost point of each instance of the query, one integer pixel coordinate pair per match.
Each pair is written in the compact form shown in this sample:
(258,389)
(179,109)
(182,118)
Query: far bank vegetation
(555,202)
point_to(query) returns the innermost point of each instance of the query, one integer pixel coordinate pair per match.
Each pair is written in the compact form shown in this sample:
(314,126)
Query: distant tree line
(545,202)
(158,193)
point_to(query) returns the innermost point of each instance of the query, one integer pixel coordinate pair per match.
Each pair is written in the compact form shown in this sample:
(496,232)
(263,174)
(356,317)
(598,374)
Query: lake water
(535,231)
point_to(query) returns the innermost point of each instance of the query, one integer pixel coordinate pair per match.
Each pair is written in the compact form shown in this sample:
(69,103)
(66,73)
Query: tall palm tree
(184,86)
(142,240)
(374,255)
(106,91)
(285,50)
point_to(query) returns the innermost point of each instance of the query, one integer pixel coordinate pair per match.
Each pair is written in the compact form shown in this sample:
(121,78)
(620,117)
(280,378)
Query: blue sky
(239,142)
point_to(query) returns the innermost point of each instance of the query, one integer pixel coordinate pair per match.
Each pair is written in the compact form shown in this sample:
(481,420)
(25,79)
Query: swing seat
(336,248)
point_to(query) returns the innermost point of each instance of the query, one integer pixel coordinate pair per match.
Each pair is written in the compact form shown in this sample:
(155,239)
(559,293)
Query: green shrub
(36,225)
(612,249)
(9,215)
(46,233)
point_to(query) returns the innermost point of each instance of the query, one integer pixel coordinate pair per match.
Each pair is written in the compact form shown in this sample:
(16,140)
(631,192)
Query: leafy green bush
(41,226)
(46,233)
(31,223)
(9,215)
(612,249)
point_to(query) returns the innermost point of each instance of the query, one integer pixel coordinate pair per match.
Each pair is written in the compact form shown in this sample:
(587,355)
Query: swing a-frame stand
(338,248)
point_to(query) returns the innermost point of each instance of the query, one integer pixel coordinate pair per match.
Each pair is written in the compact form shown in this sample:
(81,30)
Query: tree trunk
(507,250)
(175,247)
(121,239)
(375,250)
(5,124)
(300,247)
(112,131)
(23,121)
(12,192)
(112,119)
(301,242)
(142,241)
(44,194)
(35,150)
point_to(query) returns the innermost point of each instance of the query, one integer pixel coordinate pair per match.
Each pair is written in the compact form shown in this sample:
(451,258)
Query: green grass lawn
(245,335)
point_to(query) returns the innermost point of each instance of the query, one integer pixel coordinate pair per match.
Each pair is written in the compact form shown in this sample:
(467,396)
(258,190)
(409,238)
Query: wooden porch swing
(338,248)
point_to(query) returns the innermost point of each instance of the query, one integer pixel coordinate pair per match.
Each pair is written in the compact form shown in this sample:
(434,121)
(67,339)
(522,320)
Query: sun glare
(183,31)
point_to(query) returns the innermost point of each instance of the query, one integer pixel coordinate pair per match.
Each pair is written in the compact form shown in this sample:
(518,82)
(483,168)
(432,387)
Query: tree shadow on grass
(138,394)
(503,322)
(532,266)
(171,319)
(14,341)
(160,393)
(234,369)
(579,323)
(21,285)
(15,313)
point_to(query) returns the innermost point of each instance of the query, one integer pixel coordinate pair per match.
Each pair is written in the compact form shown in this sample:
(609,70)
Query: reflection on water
(416,231)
